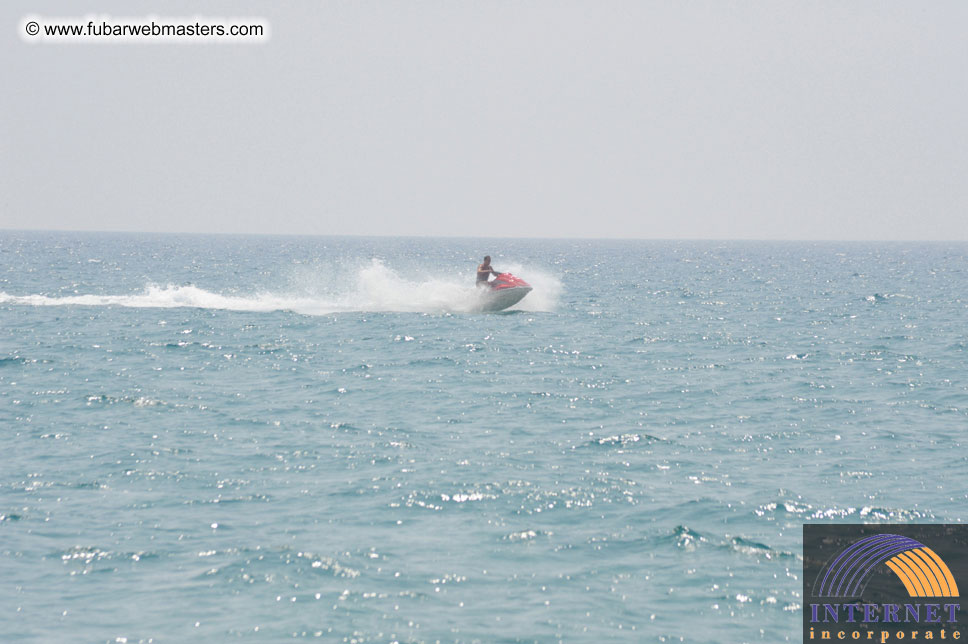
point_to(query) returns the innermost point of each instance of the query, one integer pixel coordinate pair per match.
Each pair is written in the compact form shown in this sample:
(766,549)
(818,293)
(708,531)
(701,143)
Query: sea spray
(375,287)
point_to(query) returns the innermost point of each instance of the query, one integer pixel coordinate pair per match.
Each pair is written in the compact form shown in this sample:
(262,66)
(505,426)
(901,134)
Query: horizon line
(524,237)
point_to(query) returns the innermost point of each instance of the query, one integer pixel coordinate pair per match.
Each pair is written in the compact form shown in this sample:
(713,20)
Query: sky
(785,120)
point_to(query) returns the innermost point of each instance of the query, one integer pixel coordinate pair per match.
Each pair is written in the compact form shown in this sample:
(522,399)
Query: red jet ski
(504,291)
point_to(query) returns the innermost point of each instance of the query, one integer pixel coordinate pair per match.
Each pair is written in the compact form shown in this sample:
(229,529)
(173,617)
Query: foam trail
(376,289)
(158,297)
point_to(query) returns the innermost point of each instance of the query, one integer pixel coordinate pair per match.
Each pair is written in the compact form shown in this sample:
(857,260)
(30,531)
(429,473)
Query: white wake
(376,289)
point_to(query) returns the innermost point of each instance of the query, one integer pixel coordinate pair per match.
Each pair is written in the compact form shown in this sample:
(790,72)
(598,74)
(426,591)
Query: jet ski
(504,291)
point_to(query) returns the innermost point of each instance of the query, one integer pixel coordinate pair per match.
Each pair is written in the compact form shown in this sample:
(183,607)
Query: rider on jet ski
(484,272)
(500,293)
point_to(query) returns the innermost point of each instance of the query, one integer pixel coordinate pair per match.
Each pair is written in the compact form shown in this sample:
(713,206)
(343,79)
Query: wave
(376,289)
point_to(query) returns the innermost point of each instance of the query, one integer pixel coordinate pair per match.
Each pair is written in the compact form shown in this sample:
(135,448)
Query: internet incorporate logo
(919,568)
(883,583)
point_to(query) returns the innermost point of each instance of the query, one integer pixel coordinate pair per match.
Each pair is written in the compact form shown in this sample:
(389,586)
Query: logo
(883,583)
(922,572)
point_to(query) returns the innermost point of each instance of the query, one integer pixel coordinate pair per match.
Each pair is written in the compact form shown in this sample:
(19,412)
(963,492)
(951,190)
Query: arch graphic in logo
(922,572)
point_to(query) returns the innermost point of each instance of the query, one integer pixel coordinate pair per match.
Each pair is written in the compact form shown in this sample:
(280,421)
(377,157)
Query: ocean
(222,438)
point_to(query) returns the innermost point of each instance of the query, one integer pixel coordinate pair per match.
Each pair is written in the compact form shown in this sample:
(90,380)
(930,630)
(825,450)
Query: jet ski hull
(504,292)
(498,300)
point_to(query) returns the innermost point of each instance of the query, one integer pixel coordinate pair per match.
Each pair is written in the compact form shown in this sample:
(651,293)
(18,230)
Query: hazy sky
(728,120)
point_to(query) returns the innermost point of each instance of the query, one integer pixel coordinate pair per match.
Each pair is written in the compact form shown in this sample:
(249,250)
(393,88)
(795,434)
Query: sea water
(219,438)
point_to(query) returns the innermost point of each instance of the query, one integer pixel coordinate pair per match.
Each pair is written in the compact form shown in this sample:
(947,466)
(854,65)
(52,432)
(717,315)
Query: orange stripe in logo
(923,573)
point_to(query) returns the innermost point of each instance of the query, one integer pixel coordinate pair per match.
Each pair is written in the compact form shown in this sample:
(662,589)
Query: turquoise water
(217,438)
